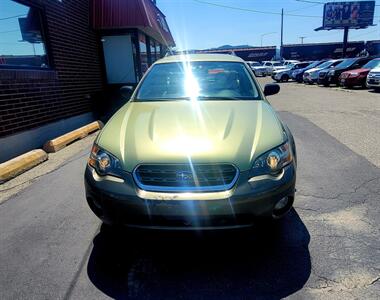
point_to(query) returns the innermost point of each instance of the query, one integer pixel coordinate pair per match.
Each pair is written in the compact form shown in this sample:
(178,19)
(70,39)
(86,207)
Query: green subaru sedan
(196,147)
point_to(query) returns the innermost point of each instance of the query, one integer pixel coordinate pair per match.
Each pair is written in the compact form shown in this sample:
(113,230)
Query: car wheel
(285,78)
(377,90)
(111,229)
(326,84)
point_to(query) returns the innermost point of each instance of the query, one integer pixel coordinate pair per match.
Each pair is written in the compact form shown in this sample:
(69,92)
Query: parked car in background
(297,75)
(358,77)
(290,62)
(284,75)
(332,76)
(257,68)
(168,177)
(273,66)
(311,76)
(373,79)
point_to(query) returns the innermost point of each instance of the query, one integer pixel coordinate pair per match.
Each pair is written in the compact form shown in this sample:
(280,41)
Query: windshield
(372,64)
(326,64)
(346,63)
(201,80)
(313,64)
(255,64)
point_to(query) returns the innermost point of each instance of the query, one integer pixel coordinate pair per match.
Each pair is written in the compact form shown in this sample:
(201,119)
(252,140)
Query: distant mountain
(226,47)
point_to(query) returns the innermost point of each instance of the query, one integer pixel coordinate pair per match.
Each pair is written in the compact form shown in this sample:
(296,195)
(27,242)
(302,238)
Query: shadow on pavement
(255,264)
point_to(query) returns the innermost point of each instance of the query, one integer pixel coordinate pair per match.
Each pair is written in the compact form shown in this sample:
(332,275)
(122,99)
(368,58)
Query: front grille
(185,177)
(374,75)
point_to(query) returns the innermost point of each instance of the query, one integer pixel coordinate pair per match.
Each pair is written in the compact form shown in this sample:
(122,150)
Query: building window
(153,50)
(21,36)
(158,54)
(143,53)
(119,59)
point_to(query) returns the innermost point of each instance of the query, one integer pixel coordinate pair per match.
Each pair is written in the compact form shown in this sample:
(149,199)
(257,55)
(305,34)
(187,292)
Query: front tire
(285,78)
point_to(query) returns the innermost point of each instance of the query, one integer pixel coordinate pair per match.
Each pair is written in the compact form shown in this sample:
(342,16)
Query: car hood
(313,70)
(183,131)
(341,69)
(259,68)
(280,71)
(361,70)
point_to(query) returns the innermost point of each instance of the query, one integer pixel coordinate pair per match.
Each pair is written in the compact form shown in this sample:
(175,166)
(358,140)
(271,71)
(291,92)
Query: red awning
(141,14)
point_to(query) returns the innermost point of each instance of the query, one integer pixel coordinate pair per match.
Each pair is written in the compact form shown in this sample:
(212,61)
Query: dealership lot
(328,246)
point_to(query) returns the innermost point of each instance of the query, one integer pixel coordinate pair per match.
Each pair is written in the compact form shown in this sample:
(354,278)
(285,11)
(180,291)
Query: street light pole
(264,34)
(302,38)
(282,31)
(345,41)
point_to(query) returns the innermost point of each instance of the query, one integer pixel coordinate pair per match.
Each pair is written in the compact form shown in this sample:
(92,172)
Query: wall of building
(32,98)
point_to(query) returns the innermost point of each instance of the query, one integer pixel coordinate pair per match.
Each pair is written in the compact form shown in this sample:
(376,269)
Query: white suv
(373,79)
(273,66)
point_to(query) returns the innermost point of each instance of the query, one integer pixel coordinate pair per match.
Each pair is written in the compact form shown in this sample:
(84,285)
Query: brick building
(59,58)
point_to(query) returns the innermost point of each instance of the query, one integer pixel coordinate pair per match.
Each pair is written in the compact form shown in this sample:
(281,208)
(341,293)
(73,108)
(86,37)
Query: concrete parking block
(22,163)
(66,139)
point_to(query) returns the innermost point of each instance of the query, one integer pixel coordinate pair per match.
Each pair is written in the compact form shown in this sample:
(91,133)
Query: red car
(357,77)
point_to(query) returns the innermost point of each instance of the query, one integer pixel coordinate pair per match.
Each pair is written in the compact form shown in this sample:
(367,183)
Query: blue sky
(195,25)
(10,37)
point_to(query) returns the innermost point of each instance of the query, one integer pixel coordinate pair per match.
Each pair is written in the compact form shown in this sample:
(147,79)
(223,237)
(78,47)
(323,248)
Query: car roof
(199,57)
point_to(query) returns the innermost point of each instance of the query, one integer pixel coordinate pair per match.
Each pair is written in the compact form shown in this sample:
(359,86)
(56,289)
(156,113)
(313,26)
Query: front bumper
(310,79)
(352,81)
(298,77)
(260,72)
(120,201)
(329,79)
(373,83)
(277,76)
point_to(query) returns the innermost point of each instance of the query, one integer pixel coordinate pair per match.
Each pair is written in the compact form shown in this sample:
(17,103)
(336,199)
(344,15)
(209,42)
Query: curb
(22,163)
(62,141)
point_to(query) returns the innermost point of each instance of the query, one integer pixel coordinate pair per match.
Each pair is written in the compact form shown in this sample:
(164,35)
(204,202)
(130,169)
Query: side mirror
(126,91)
(271,89)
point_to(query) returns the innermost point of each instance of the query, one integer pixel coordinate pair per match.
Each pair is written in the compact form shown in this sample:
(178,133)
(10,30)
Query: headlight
(103,162)
(273,161)
(332,72)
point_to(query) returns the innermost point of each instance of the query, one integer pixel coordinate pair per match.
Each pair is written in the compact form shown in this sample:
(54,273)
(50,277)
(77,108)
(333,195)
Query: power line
(318,2)
(12,17)
(8,31)
(307,1)
(301,8)
(362,34)
(254,10)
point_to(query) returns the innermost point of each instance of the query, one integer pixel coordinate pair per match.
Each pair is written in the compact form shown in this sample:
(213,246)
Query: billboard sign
(357,14)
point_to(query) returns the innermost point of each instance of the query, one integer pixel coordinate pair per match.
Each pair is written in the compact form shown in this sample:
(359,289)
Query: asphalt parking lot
(53,247)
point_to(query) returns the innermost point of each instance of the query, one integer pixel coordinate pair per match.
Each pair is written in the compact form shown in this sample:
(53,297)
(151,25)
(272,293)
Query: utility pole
(345,41)
(302,38)
(282,32)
